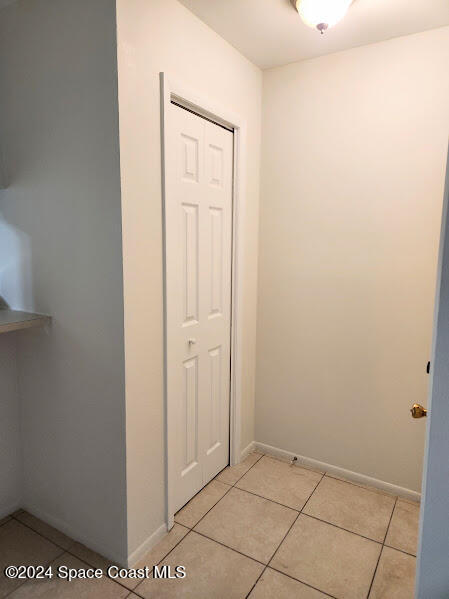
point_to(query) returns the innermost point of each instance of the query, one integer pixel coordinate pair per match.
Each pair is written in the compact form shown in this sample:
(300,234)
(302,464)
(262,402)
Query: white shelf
(13,320)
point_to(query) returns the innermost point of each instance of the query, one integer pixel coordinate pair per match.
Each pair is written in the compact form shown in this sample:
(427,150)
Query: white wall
(354,148)
(10,446)
(59,125)
(154,36)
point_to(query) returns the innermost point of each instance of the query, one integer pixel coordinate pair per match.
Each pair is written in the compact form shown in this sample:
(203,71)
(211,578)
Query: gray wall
(13,277)
(59,126)
(10,450)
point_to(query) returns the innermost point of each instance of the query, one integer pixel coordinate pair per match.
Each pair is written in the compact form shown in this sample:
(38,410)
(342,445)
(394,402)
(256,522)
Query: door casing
(204,106)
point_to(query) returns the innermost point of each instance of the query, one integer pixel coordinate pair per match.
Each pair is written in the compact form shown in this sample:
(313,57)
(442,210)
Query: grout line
(67,550)
(191,529)
(283,538)
(256,581)
(357,534)
(315,488)
(246,472)
(381,551)
(400,550)
(204,515)
(45,566)
(64,550)
(92,565)
(301,581)
(374,573)
(299,513)
(135,592)
(254,559)
(174,546)
(288,507)
(5,520)
(168,552)
(40,533)
(230,487)
(389,521)
(323,475)
(240,477)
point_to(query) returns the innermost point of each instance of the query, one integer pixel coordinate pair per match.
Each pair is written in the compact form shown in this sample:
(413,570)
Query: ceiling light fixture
(322,14)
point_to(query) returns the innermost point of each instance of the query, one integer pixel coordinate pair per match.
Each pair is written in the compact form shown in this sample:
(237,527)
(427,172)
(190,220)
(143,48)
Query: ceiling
(270,33)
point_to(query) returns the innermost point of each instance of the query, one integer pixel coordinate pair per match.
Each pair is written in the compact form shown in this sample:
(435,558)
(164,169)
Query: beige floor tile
(274,585)
(248,523)
(395,576)
(278,481)
(90,557)
(152,558)
(164,546)
(354,508)
(58,588)
(45,529)
(199,505)
(328,558)
(403,531)
(231,474)
(21,546)
(158,552)
(212,571)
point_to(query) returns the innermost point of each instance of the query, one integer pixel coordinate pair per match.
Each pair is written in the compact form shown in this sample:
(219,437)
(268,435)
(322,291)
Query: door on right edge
(432,580)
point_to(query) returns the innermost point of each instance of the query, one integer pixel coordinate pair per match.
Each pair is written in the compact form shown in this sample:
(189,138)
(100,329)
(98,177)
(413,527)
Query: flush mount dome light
(322,14)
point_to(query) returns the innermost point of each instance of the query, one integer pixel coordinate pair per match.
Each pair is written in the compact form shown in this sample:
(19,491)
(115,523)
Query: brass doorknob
(418,411)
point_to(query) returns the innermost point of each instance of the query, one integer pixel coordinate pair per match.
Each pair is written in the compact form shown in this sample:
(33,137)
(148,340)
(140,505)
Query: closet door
(198,239)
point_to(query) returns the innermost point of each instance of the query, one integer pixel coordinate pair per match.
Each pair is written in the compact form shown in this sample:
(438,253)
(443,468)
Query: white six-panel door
(198,251)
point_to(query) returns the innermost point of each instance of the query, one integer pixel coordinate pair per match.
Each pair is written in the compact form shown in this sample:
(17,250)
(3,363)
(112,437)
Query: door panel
(198,240)
(215,398)
(190,433)
(190,273)
(216,262)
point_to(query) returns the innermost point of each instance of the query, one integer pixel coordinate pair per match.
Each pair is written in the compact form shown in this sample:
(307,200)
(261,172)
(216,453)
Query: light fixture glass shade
(322,14)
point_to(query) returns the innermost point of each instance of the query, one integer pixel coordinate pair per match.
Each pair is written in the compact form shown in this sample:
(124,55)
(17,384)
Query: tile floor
(262,529)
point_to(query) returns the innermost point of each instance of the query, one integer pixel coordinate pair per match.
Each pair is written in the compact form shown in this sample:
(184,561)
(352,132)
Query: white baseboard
(148,544)
(248,449)
(121,560)
(67,529)
(337,471)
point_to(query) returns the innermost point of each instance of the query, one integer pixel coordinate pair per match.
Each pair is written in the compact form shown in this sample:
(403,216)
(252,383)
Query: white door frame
(204,106)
